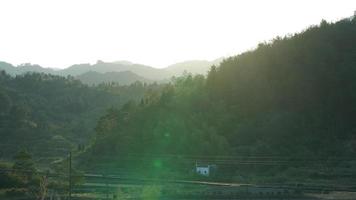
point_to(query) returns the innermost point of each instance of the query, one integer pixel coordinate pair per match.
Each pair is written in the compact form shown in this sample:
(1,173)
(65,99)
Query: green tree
(24,166)
(5,103)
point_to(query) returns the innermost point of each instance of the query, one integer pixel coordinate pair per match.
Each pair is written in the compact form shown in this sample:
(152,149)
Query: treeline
(49,115)
(22,179)
(292,98)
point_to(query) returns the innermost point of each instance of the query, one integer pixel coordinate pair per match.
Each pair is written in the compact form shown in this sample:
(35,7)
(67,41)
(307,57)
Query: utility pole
(70,175)
(107,186)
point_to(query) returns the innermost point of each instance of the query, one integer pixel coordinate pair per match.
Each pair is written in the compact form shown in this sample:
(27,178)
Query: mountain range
(123,77)
(122,72)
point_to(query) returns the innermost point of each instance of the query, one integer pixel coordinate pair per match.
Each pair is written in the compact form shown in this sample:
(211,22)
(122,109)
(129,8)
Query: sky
(59,33)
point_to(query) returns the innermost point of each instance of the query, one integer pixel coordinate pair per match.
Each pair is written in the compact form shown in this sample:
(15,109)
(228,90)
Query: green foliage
(23,162)
(293,92)
(5,102)
(151,192)
(292,97)
(7,178)
(49,115)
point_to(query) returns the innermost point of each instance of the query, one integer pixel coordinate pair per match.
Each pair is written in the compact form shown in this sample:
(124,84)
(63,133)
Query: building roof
(203,166)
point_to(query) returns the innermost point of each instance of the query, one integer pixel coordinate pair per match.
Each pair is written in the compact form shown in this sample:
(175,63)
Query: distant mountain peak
(123,62)
(141,72)
(123,77)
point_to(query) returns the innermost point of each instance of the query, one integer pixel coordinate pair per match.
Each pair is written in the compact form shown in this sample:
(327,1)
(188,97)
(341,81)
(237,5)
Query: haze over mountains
(122,72)
(123,77)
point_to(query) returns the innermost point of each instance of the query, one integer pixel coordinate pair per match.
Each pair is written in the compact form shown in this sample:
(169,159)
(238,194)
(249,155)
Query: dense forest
(291,100)
(284,112)
(49,115)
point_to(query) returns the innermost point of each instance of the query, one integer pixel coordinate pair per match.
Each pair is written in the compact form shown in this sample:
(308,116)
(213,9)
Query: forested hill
(122,78)
(49,115)
(293,97)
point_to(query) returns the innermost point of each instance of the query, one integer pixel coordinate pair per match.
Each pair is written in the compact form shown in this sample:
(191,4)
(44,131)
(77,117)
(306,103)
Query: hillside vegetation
(49,115)
(292,99)
(122,78)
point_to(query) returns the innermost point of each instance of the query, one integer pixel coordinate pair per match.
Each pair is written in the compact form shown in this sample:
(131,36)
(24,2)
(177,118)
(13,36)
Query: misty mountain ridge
(123,78)
(24,68)
(139,72)
(193,66)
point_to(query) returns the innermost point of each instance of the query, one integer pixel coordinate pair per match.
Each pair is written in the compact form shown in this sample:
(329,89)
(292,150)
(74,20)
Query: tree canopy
(292,97)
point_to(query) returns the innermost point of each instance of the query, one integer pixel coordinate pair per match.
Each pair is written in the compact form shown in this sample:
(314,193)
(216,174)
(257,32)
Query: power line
(70,175)
(228,161)
(231,157)
(281,157)
(195,182)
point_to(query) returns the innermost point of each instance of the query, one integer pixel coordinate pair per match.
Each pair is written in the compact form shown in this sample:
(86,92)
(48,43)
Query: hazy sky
(153,32)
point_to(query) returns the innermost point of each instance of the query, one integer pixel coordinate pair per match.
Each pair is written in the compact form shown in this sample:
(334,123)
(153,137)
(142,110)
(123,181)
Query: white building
(204,170)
